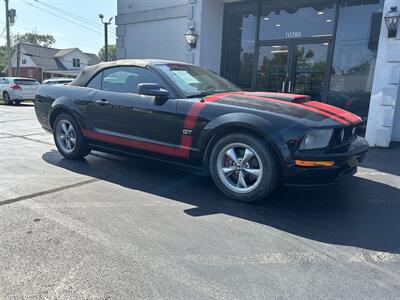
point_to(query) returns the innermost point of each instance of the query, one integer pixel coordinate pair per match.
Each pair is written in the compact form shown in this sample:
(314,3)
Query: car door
(118,110)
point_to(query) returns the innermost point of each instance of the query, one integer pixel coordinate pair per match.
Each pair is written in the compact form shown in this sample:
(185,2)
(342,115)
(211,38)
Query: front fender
(251,122)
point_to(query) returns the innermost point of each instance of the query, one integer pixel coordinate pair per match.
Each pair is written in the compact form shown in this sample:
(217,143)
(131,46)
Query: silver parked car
(14,90)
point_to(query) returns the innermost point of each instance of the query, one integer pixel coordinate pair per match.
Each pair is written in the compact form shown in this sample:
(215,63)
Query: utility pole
(101,16)
(18,58)
(9,67)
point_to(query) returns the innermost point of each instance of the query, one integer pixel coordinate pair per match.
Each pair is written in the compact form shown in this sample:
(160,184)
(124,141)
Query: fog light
(309,163)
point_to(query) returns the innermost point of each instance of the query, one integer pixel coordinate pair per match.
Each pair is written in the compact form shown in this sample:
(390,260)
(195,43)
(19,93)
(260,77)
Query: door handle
(283,86)
(101,102)
(290,87)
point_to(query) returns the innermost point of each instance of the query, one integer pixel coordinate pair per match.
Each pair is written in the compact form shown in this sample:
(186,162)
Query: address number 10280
(293,34)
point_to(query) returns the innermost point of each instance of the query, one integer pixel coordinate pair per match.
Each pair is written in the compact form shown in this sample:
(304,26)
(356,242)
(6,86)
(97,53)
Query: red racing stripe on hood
(216,97)
(352,118)
(309,108)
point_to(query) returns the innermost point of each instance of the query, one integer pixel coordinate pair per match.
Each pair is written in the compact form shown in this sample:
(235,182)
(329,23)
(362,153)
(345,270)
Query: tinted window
(356,49)
(239,43)
(126,79)
(25,82)
(95,82)
(296,19)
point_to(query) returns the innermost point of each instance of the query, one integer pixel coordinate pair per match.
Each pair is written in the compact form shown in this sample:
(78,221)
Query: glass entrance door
(309,69)
(294,67)
(273,68)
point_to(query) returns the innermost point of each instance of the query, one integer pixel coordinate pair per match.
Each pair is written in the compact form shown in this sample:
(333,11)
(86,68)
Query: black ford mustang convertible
(249,142)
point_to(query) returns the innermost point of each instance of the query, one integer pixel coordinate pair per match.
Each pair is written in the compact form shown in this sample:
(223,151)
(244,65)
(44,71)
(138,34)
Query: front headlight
(316,139)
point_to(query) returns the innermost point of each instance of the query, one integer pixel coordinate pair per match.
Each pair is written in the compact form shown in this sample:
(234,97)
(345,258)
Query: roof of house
(49,58)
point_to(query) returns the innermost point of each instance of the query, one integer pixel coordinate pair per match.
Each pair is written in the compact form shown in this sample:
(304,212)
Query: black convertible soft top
(87,74)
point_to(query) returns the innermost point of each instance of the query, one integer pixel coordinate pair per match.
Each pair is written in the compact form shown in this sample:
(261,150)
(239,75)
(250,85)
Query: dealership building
(337,51)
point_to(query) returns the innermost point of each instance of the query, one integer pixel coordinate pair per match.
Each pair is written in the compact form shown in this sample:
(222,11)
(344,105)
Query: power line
(4,30)
(76,17)
(61,17)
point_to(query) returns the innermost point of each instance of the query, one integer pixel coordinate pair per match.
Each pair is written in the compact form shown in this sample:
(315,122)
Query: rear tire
(6,98)
(68,137)
(243,168)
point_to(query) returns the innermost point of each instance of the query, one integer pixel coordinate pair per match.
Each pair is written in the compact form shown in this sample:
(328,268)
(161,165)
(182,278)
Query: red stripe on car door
(157,148)
(186,142)
(190,123)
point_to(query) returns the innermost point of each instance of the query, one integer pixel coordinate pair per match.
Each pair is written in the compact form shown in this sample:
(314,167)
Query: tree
(3,57)
(112,53)
(45,40)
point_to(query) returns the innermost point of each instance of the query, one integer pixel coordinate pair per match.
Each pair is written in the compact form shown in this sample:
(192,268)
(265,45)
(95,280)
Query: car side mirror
(152,89)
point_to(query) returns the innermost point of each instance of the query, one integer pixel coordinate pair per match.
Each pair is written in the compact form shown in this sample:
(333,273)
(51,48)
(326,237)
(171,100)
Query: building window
(239,43)
(76,62)
(23,61)
(297,19)
(355,54)
(355,50)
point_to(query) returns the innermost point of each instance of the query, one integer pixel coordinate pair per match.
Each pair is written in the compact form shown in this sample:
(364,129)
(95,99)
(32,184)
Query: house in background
(42,62)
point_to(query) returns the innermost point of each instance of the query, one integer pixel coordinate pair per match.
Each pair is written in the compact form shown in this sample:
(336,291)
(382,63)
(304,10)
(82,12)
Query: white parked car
(57,80)
(14,90)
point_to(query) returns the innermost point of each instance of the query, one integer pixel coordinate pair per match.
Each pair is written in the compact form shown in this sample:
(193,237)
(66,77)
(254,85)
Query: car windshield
(26,82)
(196,81)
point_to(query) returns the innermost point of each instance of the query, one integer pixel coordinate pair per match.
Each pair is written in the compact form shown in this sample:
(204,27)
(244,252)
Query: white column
(194,19)
(385,89)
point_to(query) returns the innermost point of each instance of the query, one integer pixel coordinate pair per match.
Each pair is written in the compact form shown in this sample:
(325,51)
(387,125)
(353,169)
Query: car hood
(296,107)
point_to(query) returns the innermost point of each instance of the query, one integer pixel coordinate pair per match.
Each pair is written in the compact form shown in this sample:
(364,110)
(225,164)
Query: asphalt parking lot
(118,228)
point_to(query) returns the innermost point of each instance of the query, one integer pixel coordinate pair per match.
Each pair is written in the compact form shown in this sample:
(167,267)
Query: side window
(126,79)
(95,82)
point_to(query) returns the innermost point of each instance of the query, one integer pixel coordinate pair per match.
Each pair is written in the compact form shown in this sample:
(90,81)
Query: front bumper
(346,164)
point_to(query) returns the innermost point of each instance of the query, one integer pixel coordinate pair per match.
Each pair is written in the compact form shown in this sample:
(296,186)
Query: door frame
(291,44)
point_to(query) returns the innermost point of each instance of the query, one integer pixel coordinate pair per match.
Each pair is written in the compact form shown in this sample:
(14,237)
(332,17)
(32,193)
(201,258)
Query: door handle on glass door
(283,86)
(290,87)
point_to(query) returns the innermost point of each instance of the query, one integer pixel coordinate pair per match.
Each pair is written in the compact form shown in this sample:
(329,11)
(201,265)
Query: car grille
(343,137)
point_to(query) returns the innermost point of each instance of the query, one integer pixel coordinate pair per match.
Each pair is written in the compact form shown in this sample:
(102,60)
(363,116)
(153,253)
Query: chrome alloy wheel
(239,168)
(66,136)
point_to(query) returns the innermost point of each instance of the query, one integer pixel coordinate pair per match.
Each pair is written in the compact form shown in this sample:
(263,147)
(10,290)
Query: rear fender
(65,104)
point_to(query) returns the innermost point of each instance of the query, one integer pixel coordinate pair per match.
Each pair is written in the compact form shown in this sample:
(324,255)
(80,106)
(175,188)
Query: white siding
(161,39)
(68,59)
(131,6)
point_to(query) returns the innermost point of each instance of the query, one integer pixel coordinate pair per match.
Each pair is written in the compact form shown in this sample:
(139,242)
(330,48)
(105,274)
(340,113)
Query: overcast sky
(57,17)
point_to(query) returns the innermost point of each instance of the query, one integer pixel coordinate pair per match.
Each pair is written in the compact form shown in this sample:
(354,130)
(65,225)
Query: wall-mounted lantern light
(392,20)
(191,37)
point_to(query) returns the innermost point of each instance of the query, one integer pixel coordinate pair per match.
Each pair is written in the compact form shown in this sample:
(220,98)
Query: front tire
(68,137)
(243,168)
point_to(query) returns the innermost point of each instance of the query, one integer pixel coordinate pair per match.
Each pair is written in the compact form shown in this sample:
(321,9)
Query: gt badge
(187,131)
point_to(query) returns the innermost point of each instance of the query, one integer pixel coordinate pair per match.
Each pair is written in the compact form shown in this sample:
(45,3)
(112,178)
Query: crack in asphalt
(26,137)
(50,191)
(17,120)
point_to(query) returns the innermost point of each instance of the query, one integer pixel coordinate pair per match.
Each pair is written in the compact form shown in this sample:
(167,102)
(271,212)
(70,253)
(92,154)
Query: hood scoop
(295,98)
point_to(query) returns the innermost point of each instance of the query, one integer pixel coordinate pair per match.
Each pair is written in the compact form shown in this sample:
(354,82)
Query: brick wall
(29,72)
